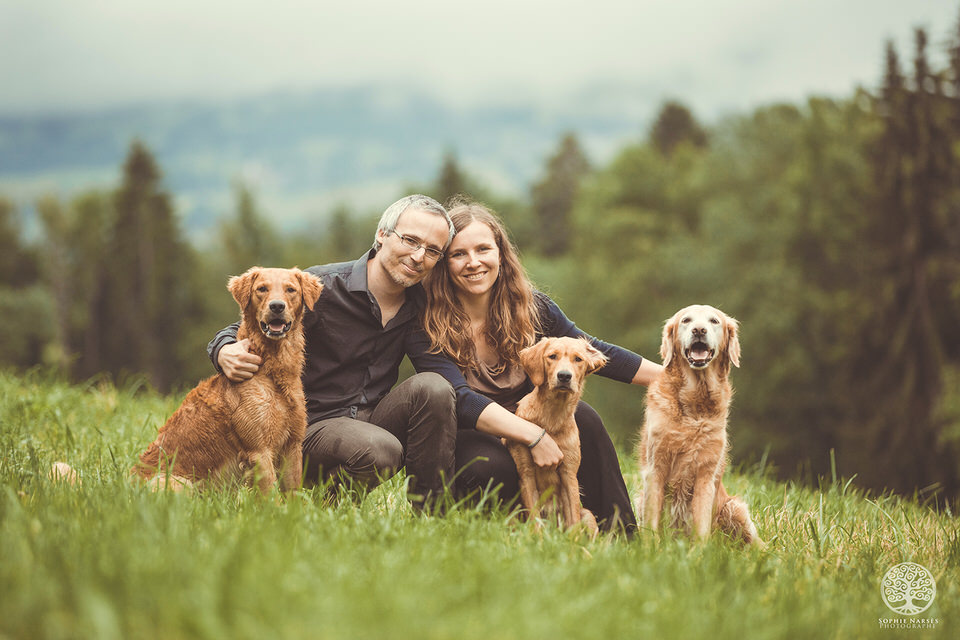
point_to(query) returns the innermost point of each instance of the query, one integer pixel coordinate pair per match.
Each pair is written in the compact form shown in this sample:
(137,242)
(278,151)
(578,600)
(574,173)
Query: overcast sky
(716,55)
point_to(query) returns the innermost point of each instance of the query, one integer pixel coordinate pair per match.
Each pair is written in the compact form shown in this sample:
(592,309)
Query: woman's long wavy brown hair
(512,323)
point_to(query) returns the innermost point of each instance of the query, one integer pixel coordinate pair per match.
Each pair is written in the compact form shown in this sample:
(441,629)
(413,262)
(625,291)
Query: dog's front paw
(589,522)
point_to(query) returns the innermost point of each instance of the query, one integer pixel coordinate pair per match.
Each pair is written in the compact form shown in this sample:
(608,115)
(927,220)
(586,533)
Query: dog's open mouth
(276,328)
(699,355)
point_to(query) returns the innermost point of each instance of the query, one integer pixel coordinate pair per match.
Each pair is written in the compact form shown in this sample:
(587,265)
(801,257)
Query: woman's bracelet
(539,438)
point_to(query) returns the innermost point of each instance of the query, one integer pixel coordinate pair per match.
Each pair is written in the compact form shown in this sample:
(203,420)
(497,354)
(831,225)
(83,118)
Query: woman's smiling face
(473,259)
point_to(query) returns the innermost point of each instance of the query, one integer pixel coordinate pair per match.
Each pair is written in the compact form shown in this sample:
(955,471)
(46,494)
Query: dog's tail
(733,518)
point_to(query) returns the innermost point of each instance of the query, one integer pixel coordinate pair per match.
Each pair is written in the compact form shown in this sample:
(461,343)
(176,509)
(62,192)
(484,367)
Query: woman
(481,311)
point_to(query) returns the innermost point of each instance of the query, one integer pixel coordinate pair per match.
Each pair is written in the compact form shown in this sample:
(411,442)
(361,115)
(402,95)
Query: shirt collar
(357,281)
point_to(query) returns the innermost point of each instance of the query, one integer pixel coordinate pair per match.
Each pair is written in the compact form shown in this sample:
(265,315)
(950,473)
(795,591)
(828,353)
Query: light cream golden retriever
(557,367)
(683,450)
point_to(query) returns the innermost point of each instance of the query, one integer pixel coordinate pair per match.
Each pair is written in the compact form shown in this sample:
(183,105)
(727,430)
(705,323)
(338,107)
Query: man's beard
(400,278)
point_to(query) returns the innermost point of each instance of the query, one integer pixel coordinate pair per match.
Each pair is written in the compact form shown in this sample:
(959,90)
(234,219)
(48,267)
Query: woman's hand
(546,453)
(499,422)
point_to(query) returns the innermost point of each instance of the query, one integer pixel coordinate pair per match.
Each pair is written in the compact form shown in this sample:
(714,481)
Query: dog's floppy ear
(731,328)
(669,339)
(594,357)
(310,288)
(531,359)
(242,286)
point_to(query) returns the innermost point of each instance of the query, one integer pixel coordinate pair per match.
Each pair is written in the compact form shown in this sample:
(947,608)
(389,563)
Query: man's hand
(546,453)
(236,361)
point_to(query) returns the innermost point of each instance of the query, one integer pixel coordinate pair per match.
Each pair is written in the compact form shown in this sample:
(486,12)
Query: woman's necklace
(486,353)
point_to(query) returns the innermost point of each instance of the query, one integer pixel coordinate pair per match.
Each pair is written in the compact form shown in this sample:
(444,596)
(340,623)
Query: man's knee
(433,405)
(363,451)
(380,454)
(432,388)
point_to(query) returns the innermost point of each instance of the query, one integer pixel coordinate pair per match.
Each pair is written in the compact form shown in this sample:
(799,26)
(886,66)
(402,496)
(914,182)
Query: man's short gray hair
(388,221)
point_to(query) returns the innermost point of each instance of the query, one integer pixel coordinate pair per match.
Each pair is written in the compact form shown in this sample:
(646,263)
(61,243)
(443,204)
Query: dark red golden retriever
(252,429)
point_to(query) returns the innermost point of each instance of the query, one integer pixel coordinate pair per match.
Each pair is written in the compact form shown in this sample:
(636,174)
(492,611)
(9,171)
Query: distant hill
(301,153)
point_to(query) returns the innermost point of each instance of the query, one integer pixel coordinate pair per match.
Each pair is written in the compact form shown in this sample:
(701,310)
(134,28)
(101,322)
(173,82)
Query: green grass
(109,559)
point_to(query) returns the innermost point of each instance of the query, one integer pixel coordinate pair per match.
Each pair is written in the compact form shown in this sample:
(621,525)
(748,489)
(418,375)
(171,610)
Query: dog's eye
(685,321)
(291,290)
(577,359)
(714,321)
(552,356)
(262,289)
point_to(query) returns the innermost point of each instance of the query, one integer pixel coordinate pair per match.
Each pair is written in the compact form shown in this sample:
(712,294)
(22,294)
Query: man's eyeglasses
(414,244)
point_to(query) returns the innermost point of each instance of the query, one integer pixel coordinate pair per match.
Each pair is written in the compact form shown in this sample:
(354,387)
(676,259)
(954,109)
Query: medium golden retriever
(683,450)
(253,428)
(557,368)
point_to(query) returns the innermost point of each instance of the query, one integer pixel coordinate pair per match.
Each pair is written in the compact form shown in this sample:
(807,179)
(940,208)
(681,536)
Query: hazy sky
(716,55)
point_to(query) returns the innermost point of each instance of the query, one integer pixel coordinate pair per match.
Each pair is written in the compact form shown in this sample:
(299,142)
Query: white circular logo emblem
(908,589)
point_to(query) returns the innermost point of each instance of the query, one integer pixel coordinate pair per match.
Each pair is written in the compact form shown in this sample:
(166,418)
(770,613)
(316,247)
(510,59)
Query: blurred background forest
(830,229)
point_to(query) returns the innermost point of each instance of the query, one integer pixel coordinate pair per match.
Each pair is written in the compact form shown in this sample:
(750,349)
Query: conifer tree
(345,237)
(75,247)
(675,125)
(554,196)
(147,299)
(58,271)
(23,303)
(451,181)
(18,264)
(248,239)
(954,78)
(913,330)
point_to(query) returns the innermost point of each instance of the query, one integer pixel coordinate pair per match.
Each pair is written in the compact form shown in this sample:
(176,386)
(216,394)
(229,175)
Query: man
(356,337)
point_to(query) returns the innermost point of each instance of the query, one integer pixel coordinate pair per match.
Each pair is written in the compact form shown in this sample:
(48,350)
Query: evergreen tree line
(830,229)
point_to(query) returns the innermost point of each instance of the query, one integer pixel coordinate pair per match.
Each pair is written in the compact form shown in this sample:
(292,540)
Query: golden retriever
(557,368)
(683,450)
(253,428)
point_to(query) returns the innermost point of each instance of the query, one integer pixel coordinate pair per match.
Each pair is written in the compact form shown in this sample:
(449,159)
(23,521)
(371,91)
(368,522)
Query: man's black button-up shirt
(352,359)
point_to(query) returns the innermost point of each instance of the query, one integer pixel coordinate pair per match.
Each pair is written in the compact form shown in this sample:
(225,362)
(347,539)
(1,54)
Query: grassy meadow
(109,559)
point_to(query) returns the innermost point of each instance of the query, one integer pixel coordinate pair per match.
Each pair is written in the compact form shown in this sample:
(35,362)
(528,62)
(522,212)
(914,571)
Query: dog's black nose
(564,376)
(700,331)
(277,306)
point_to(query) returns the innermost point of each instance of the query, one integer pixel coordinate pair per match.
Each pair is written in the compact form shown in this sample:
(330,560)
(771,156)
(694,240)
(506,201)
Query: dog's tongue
(700,353)
(276,326)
